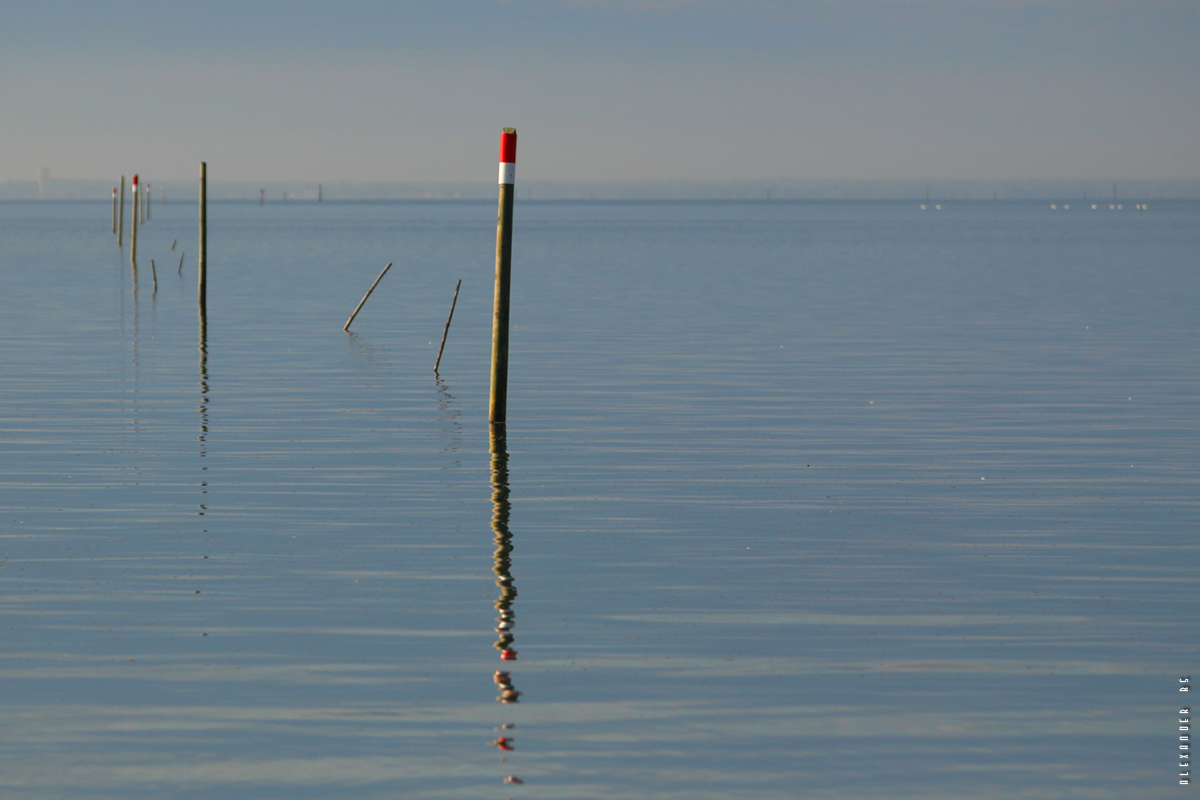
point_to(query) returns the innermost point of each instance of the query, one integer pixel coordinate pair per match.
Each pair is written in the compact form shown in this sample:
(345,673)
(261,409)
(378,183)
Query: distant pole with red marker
(114,209)
(133,230)
(498,400)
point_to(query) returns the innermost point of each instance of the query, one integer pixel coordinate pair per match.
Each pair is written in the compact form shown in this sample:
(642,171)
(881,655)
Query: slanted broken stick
(445,332)
(346,327)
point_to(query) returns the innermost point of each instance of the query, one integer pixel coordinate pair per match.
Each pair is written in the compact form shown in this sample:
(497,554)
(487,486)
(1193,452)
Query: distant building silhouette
(43,183)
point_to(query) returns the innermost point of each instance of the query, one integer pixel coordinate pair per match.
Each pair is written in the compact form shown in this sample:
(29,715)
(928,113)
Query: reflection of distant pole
(506,619)
(203,410)
(136,367)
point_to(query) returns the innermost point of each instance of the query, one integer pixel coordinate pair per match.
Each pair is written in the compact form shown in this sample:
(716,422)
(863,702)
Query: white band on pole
(508,172)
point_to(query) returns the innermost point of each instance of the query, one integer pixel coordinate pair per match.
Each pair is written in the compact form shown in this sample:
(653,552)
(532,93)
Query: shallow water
(827,500)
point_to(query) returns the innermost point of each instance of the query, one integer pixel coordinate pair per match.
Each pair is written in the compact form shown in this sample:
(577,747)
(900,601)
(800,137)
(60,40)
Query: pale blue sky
(400,91)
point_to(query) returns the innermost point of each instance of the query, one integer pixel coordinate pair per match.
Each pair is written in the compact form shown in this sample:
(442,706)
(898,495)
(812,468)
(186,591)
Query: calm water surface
(814,500)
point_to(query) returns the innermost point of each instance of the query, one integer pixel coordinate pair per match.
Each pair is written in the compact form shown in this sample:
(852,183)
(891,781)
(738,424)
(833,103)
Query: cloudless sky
(402,91)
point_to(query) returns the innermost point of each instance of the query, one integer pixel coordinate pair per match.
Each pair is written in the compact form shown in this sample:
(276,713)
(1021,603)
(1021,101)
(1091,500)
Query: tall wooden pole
(121,215)
(203,279)
(133,229)
(147,201)
(114,209)
(498,398)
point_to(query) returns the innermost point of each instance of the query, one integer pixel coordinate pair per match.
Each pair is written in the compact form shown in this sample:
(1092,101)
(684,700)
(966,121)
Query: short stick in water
(346,327)
(445,332)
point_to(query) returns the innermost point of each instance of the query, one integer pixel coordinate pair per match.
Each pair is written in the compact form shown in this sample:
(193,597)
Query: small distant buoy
(922,206)
(508,655)
(1093,206)
(1066,208)
(514,779)
(938,207)
(1053,207)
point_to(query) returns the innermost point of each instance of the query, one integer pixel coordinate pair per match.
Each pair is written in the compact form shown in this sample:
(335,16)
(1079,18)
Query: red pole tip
(508,655)
(508,146)
(135,180)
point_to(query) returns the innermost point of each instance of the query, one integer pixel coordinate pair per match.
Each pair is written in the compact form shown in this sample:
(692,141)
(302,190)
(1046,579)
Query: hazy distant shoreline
(783,189)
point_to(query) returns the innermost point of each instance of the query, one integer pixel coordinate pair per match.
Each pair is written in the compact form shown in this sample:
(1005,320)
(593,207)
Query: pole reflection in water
(506,618)
(203,410)
(135,350)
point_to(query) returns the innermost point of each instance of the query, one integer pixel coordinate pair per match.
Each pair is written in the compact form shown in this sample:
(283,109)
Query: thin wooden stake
(446,332)
(202,278)
(180,270)
(154,274)
(121,215)
(346,327)
(174,243)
